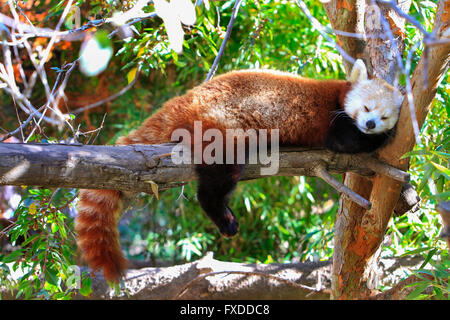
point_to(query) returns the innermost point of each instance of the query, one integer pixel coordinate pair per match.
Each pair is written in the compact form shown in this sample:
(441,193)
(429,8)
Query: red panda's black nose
(370,124)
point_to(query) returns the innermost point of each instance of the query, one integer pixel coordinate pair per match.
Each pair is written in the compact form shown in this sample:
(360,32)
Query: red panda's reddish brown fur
(96,226)
(235,100)
(301,108)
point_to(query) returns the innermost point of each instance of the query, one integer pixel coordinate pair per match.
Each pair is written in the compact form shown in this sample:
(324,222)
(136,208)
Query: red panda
(351,116)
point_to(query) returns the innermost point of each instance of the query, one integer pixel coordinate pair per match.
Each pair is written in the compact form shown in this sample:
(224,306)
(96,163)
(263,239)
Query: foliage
(279,221)
(43,265)
(282,219)
(438,282)
(418,233)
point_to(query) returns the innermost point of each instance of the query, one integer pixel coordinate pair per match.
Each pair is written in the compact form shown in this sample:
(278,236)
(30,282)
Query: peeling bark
(383,52)
(359,233)
(348,16)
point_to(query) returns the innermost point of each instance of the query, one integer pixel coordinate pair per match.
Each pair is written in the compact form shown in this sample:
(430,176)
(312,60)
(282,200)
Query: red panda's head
(373,104)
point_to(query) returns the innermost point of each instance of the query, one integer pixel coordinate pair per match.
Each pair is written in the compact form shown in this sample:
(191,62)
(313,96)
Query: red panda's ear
(359,72)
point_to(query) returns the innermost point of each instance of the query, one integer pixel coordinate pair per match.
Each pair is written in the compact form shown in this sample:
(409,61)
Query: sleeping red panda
(352,116)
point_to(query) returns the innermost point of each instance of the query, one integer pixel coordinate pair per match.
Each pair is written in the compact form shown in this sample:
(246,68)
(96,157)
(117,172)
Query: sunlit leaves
(281,219)
(39,266)
(32,208)
(417,233)
(131,75)
(191,246)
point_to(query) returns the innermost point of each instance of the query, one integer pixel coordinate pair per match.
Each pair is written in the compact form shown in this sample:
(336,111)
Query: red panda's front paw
(229,225)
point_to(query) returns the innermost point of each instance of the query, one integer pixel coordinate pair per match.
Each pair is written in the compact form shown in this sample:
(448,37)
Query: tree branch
(134,167)
(320,171)
(215,64)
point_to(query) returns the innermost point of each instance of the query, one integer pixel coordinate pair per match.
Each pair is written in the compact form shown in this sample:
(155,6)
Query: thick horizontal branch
(136,167)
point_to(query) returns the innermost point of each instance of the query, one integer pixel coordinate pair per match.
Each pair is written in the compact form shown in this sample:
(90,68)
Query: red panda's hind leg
(215,185)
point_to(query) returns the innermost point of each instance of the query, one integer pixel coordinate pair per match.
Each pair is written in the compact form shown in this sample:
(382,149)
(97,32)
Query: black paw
(228,225)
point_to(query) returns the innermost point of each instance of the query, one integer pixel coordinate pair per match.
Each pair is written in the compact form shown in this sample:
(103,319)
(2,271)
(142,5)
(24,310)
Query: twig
(401,289)
(36,112)
(100,128)
(16,24)
(52,94)
(5,230)
(39,69)
(389,171)
(215,64)
(108,99)
(19,98)
(321,29)
(20,122)
(320,171)
(391,5)
(63,85)
(23,125)
(69,35)
(136,20)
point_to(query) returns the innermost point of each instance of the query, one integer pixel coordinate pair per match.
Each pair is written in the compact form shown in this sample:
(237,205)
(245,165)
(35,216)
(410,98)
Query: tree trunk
(358,232)
(348,16)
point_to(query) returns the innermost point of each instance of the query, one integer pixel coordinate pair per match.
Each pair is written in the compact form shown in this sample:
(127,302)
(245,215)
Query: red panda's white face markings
(374,105)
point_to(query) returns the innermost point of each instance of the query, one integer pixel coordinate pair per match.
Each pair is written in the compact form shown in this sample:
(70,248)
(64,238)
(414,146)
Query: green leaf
(51,276)
(13,256)
(86,289)
(426,175)
(441,168)
(441,196)
(54,227)
(103,39)
(416,153)
(283,230)
(421,286)
(27,241)
(62,229)
(428,258)
(416,251)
